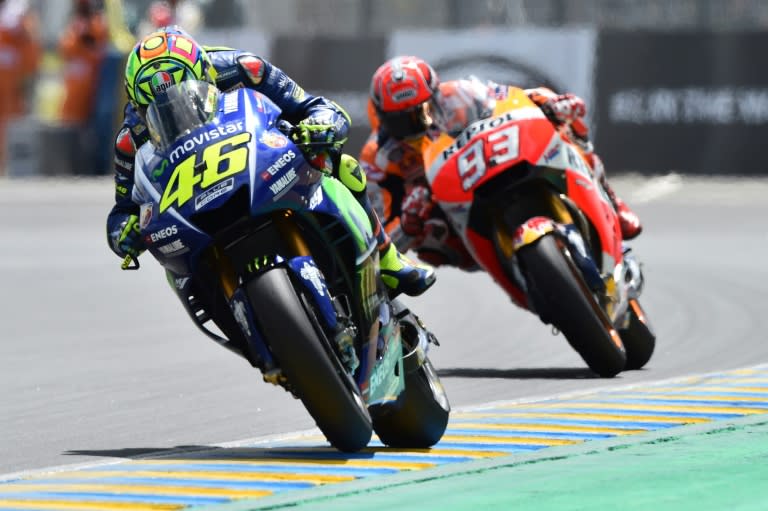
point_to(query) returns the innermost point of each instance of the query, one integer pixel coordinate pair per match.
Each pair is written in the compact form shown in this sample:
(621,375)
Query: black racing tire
(419,416)
(328,393)
(563,298)
(639,338)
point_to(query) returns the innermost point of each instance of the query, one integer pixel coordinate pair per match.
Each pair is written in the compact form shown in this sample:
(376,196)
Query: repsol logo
(281,162)
(191,143)
(478,127)
(163,234)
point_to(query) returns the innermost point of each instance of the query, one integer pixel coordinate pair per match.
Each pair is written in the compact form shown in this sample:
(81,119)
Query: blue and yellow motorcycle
(277,262)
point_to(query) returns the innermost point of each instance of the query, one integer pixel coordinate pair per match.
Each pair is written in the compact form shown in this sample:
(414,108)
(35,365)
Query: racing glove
(325,129)
(320,134)
(569,109)
(319,141)
(564,108)
(416,209)
(128,240)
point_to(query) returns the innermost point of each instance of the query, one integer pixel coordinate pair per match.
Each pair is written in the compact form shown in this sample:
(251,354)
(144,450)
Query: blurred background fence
(671,84)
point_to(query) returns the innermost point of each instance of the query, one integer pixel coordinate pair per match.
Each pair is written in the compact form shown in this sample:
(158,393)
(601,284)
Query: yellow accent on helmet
(162,59)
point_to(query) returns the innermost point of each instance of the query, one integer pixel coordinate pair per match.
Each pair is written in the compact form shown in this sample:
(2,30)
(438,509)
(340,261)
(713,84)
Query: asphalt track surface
(101,365)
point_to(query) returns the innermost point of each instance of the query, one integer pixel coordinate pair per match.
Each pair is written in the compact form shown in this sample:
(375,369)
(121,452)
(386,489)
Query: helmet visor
(179,110)
(407,124)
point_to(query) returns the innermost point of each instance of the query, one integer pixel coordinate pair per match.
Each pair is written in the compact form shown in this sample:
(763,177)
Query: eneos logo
(162,234)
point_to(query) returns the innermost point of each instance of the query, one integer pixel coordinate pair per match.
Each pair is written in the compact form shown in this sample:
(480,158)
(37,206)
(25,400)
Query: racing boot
(402,274)
(399,273)
(628,219)
(629,222)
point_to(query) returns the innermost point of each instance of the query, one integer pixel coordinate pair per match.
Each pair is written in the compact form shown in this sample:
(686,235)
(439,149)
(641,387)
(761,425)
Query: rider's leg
(400,273)
(628,219)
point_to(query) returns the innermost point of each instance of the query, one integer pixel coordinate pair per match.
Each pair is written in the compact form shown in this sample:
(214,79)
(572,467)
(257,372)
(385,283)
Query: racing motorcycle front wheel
(562,298)
(312,369)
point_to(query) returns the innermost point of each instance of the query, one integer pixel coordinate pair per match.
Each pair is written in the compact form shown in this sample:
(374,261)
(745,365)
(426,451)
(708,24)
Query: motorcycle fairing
(333,198)
(457,166)
(241,311)
(280,182)
(384,361)
(307,272)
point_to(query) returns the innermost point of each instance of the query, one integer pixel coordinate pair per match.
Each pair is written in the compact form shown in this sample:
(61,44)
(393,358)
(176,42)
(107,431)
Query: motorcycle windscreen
(179,110)
(460,103)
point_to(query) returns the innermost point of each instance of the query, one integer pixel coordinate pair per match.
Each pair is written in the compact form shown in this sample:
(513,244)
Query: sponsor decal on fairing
(273,140)
(279,164)
(316,198)
(191,143)
(230,103)
(162,234)
(312,274)
(241,316)
(214,192)
(174,247)
(282,182)
(145,214)
(491,123)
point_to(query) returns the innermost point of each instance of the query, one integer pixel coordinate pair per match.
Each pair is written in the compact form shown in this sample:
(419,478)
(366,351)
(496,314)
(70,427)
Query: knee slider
(351,174)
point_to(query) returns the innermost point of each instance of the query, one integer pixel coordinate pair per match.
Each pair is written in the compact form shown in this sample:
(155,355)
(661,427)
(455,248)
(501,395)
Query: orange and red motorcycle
(530,210)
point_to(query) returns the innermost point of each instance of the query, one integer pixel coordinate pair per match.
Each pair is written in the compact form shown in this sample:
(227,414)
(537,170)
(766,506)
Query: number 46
(230,153)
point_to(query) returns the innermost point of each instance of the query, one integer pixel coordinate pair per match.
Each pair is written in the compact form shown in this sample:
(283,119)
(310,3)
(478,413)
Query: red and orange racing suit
(395,167)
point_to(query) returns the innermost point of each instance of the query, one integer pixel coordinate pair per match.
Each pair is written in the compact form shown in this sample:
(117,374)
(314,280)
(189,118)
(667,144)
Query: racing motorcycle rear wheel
(419,416)
(639,338)
(312,369)
(562,298)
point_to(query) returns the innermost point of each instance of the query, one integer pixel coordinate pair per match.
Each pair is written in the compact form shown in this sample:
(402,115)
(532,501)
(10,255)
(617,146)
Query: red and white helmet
(401,90)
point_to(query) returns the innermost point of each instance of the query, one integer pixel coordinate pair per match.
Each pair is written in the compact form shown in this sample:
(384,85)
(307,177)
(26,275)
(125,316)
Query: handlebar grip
(286,127)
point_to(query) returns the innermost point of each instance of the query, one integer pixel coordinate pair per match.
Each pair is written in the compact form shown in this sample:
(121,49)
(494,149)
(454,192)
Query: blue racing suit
(235,69)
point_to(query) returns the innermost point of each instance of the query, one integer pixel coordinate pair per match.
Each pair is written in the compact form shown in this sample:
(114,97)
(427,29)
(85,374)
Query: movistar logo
(159,170)
(191,143)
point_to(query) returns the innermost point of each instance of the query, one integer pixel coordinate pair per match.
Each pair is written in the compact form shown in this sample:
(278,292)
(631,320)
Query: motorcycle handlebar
(292,131)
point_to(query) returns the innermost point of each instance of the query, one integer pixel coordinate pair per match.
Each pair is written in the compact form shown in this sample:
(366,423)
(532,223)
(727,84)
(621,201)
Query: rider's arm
(241,69)
(386,184)
(564,108)
(131,132)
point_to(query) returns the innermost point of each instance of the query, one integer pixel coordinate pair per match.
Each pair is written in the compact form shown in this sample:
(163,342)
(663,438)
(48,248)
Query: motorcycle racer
(170,56)
(408,104)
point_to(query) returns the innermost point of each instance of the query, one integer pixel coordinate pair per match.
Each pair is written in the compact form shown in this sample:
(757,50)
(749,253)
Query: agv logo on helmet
(161,81)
